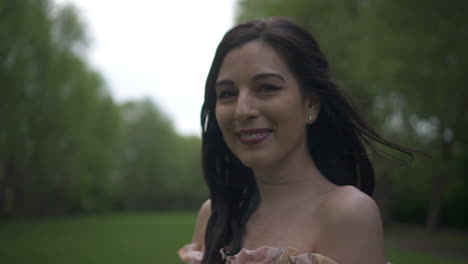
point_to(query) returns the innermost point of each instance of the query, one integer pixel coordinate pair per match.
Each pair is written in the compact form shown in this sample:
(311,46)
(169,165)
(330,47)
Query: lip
(253,136)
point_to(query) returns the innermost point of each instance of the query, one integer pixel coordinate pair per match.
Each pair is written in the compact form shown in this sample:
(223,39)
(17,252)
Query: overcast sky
(159,49)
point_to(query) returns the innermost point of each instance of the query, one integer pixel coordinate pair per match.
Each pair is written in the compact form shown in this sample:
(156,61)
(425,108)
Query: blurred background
(99,120)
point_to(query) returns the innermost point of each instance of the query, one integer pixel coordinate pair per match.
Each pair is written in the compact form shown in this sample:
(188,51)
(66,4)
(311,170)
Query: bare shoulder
(350,204)
(351,227)
(205,210)
(200,227)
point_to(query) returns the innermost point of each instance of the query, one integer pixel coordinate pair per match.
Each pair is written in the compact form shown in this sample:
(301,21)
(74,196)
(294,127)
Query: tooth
(251,136)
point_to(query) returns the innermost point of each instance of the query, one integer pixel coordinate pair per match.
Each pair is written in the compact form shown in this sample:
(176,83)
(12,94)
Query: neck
(291,181)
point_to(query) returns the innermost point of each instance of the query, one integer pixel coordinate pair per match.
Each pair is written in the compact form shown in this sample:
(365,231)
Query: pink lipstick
(253,136)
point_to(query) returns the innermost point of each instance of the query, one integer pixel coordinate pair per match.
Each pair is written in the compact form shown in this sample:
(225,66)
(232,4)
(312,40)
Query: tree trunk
(2,190)
(441,176)
(5,183)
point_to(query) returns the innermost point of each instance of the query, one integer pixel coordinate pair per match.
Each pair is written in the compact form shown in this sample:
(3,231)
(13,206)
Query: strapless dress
(189,254)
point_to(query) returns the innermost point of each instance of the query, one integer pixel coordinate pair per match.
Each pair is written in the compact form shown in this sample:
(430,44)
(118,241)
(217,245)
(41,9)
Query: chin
(255,160)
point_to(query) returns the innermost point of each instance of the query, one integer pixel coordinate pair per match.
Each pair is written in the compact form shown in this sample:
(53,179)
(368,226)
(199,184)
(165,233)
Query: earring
(310,118)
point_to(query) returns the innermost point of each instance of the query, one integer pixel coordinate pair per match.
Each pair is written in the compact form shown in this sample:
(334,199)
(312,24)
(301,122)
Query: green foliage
(52,142)
(161,170)
(65,145)
(422,58)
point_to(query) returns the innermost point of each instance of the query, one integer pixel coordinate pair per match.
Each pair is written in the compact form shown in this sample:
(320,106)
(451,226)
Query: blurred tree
(161,169)
(58,124)
(149,140)
(65,146)
(418,52)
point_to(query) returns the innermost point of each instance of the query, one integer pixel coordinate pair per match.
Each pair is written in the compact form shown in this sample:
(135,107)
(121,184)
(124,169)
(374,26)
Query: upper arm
(352,230)
(200,227)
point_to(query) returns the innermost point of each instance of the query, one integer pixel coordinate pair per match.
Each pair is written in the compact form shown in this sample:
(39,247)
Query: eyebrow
(224,82)
(268,75)
(255,78)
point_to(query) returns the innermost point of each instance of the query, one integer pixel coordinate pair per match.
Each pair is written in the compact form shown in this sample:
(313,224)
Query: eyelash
(265,88)
(226,94)
(269,88)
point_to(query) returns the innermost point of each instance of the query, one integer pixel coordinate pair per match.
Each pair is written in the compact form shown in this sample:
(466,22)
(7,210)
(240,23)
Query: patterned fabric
(190,254)
(271,255)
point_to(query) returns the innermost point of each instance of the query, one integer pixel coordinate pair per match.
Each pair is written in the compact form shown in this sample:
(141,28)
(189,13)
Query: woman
(283,157)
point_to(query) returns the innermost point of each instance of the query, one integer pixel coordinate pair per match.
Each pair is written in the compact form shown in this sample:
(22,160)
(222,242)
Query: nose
(246,107)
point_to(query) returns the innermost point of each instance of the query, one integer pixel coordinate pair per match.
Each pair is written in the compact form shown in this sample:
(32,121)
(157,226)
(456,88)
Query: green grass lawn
(120,238)
(123,238)
(405,256)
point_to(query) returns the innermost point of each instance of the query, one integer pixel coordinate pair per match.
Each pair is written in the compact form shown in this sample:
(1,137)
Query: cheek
(289,111)
(290,121)
(223,118)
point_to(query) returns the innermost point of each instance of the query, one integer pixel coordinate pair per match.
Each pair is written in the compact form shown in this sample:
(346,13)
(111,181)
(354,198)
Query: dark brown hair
(335,141)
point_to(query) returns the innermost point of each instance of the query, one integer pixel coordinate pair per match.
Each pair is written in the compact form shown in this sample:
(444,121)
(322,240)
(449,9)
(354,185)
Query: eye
(226,94)
(269,88)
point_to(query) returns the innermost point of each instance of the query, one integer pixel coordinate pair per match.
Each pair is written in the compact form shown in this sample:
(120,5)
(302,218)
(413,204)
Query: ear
(312,108)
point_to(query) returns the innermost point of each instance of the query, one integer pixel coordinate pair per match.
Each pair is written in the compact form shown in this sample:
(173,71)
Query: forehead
(250,59)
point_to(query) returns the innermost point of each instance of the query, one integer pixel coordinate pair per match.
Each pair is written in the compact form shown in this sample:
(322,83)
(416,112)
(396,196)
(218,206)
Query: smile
(253,136)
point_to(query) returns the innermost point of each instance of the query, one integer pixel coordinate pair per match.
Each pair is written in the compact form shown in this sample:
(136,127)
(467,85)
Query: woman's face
(260,108)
